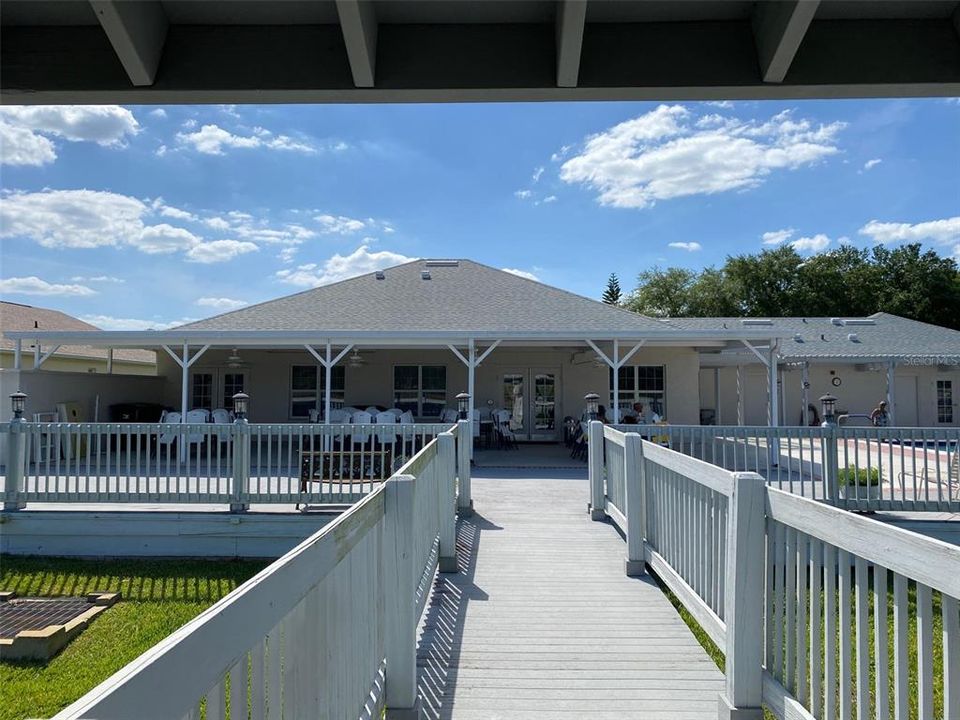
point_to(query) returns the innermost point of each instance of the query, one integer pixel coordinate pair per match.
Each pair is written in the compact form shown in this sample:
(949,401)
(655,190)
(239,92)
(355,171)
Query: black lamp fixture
(828,408)
(240,403)
(593,405)
(18,402)
(463,405)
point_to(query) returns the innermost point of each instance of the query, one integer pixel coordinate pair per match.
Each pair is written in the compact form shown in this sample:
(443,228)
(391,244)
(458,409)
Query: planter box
(863,492)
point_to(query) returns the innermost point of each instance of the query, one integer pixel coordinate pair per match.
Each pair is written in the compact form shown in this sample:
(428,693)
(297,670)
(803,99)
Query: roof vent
(853,337)
(798,338)
(379,275)
(756,321)
(837,321)
(442,263)
(859,321)
(424,274)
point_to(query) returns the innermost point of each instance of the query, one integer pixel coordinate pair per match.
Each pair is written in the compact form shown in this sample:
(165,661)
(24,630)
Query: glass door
(530,396)
(945,402)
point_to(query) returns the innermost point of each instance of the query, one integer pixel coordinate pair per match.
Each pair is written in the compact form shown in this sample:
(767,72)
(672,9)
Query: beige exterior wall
(60,363)
(858,393)
(269,377)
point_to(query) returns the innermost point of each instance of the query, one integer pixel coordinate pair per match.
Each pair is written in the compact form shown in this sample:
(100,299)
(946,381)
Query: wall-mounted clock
(836,382)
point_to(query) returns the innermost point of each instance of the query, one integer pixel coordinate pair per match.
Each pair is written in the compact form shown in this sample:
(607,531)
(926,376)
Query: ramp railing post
(240,433)
(633,485)
(16,444)
(743,599)
(447,467)
(464,451)
(596,469)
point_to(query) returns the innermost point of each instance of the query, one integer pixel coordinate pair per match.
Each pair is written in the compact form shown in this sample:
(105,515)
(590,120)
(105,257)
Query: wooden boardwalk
(542,622)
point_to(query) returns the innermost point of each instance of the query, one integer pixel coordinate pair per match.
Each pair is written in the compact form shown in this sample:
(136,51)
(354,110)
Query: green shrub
(864,477)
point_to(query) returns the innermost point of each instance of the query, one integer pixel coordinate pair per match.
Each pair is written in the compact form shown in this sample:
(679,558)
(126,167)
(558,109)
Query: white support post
(615,401)
(182,444)
(18,354)
(399,589)
(743,599)
(596,469)
(464,443)
(109,361)
(46,356)
(633,483)
(892,393)
(773,409)
(36,354)
(16,443)
(447,458)
(805,394)
(716,396)
(740,395)
(471,384)
(831,462)
(241,466)
(327,380)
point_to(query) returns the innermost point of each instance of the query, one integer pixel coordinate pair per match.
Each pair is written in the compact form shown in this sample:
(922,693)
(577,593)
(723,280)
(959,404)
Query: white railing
(235,463)
(898,468)
(825,583)
(328,630)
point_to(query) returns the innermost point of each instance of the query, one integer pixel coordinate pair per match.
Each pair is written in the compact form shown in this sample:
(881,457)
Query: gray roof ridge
(571,293)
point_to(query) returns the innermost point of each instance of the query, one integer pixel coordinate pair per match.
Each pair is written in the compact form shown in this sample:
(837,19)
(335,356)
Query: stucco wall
(858,393)
(372,384)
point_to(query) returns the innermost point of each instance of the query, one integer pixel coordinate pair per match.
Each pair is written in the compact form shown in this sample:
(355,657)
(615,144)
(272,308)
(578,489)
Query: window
(643,384)
(421,389)
(308,389)
(233,383)
(945,401)
(201,391)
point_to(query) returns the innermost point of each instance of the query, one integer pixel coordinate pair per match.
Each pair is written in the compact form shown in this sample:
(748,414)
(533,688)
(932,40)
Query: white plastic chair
(396,411)
(449,415)
(406,417)
(225,418)
(501,420)
(386,438)
(339,416)
(373,410)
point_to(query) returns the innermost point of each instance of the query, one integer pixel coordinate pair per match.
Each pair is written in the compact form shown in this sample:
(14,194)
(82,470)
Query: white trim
(483,355)
(600,352)
(196,357)
(756,352)
(46,356)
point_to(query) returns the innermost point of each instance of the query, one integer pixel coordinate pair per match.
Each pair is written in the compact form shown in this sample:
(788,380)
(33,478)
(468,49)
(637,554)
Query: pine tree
(611,296)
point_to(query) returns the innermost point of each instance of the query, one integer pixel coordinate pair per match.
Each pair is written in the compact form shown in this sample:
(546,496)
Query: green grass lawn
(158,596)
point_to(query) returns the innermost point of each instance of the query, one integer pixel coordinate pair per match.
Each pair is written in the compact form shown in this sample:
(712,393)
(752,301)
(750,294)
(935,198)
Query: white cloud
(341,267)
(521,273)
(217,223)
(688,246)
(161,151)
(217,251)
(220,303)
(107,322)
(537,173)
(97,279)
(159,113)
(72,218)
(872,163)
(550,199)
(522,194)
(177,213)
(213,140)
(663,154)
(939,231)
(287,254)
(339,224)
(20,146)
(775,237)
(561,153)
(33,285)
(724,104)
(163,238)
(814,244)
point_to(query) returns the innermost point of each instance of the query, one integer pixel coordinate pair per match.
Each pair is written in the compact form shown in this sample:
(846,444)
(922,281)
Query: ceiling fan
(356,359)
(234,361)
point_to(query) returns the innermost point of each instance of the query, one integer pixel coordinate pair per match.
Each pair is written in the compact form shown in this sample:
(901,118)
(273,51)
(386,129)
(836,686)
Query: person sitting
(638,413)
(602,414)
(880,417)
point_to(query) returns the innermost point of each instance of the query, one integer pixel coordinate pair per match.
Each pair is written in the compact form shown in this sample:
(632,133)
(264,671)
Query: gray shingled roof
(460,295)
(887,336)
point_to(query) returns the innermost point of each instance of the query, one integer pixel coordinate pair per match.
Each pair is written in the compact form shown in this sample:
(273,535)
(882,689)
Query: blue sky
(144,217)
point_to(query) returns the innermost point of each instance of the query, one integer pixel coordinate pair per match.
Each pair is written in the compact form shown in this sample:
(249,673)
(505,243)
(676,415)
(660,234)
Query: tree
(611,296)
(663,293)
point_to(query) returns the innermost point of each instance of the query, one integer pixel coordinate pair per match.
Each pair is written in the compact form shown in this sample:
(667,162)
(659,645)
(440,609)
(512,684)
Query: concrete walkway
(542,622)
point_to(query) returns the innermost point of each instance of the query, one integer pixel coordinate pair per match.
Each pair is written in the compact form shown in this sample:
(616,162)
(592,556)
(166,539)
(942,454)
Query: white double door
(531,396)
(212,388)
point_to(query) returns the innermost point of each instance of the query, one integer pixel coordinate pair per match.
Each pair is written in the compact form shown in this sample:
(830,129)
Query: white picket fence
(328,630)
(915,468)
(825,583)
(235,463)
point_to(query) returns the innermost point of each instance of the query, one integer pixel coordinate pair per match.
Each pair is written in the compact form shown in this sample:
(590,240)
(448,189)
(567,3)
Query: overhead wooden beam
(358,21)
(571,18)
(778,29)
(137,31)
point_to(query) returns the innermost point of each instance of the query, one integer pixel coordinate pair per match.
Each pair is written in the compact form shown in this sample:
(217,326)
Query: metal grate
(21,614)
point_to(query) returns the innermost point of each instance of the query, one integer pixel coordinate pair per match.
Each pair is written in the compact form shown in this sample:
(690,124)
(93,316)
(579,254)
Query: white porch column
(184,375)
(716,395)
(740,395)
(805,393)
(327,380)
(773,409)
(36,354)
(615,400)
(18,354)
(891,392)
(471,381)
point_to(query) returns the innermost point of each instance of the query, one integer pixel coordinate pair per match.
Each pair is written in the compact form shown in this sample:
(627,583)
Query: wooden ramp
(541,621)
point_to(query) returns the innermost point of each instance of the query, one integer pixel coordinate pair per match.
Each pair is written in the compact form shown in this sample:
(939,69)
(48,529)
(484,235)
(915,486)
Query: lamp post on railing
(15,453)
(593,405)
(828,409)
(463,405)
(241,454)
(595,457)
(464,454)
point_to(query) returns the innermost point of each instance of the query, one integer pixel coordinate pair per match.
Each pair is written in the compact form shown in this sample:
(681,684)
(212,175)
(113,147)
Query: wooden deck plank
(542,622)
